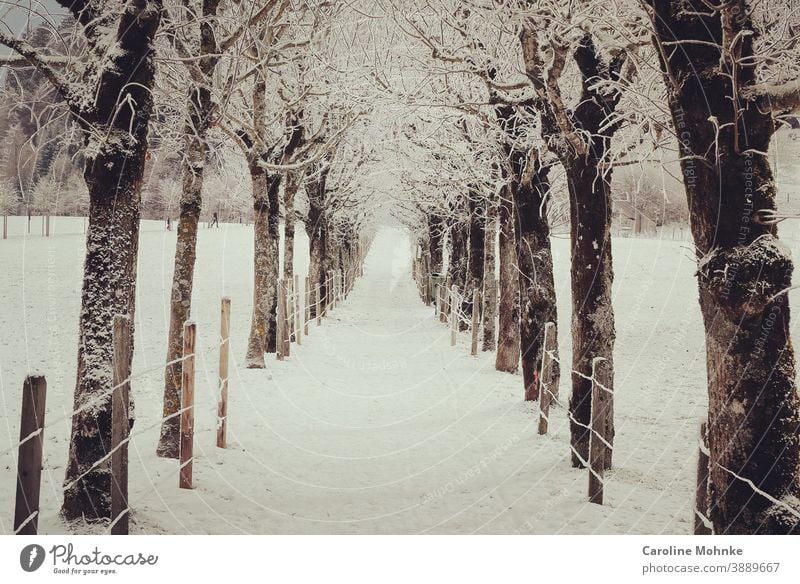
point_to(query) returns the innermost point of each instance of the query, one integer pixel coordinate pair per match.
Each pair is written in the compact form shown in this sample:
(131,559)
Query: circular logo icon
(31,557)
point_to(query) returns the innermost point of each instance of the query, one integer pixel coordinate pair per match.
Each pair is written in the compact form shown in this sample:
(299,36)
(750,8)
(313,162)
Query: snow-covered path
(375,424)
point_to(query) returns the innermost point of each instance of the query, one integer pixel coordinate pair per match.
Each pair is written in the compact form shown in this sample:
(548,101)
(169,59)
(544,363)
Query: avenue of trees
(492,122)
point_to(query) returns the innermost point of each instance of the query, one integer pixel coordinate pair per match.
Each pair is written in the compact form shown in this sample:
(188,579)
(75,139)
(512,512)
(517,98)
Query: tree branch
(775,97)
(40,62)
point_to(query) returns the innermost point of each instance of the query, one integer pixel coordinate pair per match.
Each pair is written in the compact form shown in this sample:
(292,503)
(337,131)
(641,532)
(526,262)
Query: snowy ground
(375,424)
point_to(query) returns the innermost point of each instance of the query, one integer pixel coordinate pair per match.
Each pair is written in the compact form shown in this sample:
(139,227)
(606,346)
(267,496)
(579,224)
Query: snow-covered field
(375,424)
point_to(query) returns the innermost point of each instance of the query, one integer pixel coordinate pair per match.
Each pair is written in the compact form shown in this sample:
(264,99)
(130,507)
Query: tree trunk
(743,271)
(198,116)
(181,299)
(317,231)
(265,292)
(477,235)
(114,179)
(436,230)
(591,278)
(508,325)
(582,149)
(290,190)
(489,295)
(537,290)
(457,268)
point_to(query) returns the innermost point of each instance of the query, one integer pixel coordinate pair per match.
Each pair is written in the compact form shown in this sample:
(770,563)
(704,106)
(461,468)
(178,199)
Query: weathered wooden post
(224,358)
(330,295)
(307,316)
(187,406)
(121,367)
(298,332)
(598,436)
(428,287)
(701,521)
(319,306)
(29,457)
(280,317)
(288,321)
(476,320)
(546,392)
(5,226)
(289,312)
(453,314)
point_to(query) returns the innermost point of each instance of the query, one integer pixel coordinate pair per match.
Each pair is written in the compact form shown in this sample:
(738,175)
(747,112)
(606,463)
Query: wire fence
(296,310)
(454,309)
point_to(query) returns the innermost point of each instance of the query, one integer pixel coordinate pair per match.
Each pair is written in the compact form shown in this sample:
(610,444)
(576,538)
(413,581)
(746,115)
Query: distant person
(215,220)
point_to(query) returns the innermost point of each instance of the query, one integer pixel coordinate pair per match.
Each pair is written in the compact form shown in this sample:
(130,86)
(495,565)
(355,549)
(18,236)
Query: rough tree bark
(529,188)
(477,236)
(317,231)
(264,270)
(591,279)
(113,175)
(724,131)
(507,358)
(266,233)
(535,262)
(581,139)
(459,250)
(198,120)
(489,295)
(436,231)
(290,189)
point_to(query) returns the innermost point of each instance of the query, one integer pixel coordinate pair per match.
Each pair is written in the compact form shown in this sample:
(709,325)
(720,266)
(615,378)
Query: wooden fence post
(701,491)
(598,436)
(453,314)
(120,513)
(319,306)
(288,320)
(298,330)
(5,226)
(280,317)
(476,321)
(29,458)
(329,295)
(428,287)
(290,332)
(546,393)
(307,315)
(187,406)
(224,353)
